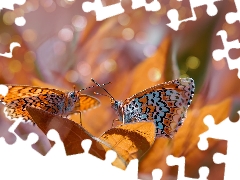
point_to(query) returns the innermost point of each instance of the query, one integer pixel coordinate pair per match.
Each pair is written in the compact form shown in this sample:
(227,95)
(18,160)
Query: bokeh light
(20,21)
(30,5)
(154,74)
(29,35)
(8,18)
(71,76)
(79,22)
(128,33)
(192,62)
(65,34)
(15,66)
(84,68)
(108,65)
(124,19)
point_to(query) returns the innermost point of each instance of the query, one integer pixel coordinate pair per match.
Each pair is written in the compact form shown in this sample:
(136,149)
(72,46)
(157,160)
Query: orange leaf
(70,132)
(130,141)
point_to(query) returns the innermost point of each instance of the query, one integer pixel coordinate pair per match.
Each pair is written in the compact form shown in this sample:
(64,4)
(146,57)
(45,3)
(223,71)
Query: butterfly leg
(113,122)
(80,114)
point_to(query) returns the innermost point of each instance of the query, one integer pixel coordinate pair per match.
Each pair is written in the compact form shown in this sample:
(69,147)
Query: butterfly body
(165,104)
(50,100)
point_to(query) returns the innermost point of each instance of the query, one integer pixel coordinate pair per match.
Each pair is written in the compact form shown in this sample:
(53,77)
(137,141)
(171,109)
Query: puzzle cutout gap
(11,47)
(232,158)
(219,54)
(174,16)
(104,12)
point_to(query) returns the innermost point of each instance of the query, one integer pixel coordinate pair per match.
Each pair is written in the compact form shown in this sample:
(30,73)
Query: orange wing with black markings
(52,103)
(86,102)
(22,91)
(50,100)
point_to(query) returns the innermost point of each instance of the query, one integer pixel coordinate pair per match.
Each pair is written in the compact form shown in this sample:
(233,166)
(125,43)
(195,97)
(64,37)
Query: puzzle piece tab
(20,157)
(9,4)
(157,174)
(153,6)
(219,54)
(174,16)
(11,47)
(116,9)
(226,130)
(180,162)
(101,11)
(232,17)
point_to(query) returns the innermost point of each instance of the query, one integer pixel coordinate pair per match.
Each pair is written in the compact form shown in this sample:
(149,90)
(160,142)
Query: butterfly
(53,101)
(165,104)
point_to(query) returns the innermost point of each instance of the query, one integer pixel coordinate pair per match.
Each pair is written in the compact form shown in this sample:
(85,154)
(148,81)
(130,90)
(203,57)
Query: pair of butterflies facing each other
(165,104)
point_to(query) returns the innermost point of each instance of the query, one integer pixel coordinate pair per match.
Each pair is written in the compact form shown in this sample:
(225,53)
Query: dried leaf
(130,141)
(152,70)
(70,132)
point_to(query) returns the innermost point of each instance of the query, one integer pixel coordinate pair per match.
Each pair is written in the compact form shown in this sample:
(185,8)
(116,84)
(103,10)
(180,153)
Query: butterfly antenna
(102,88)
(74,88)
(102,94)
(93,86)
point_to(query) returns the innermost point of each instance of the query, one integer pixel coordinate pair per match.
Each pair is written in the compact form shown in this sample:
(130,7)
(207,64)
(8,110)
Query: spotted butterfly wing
(51,100)
(85,103)
(22,91)
(165,104)
(52,103)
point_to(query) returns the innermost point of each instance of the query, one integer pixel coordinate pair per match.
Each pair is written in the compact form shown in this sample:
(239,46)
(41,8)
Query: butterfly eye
(72,95)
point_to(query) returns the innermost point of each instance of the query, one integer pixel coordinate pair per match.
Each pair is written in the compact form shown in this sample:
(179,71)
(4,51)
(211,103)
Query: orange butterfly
(50,100)
(165,104)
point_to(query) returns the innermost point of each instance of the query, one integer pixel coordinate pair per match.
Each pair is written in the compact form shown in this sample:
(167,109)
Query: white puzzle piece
(219,54)
(174,16)
(229,131)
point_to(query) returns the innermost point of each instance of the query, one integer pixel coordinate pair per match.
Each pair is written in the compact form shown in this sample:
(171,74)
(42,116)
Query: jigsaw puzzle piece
(157,174)
(180,162)
(173,14)
(9,4)
(231,160)
(101,11)
(229,131)
(153,6)
(58,149)
(19,147)
(11,47)
(219,54)
(232,17)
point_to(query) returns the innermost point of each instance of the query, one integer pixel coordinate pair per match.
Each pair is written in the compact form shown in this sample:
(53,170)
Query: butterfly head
(116,104)
(73,95)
